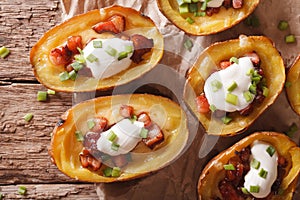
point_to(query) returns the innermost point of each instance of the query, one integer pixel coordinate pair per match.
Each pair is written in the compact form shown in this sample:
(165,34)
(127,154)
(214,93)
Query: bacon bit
(115,24)
(60,55)
(227,3)
(224,64)
(253,57)
(100,124)
(202,104)
(90,140)
(155,136)
(237,4)
(142,45)
(120,160)
(126,111)
(145,118)
(87,160)
(73,43)
(211,11)
(246,111)
(228,191)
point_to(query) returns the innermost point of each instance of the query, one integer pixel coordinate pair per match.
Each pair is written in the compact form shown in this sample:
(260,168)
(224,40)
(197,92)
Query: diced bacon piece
(142,45)
(155,136)
(126,111)
(145,118)
(237,4)
(100,124)
(115,24)
(224,64)
(60,55)
(202,104)
(73,43)
(253,57)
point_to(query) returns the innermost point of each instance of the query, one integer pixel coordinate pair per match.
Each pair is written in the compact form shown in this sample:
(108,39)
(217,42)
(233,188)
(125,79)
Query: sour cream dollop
(214,3)
(107,63)
(267,163)
(127,137)
(238,73)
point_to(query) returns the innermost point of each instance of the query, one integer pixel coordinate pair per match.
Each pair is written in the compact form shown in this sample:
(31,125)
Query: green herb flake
(72,75)
(77,66)
(263,173)
(283,25)
(190,20)
(280,191)
(111,51)
(107,172)
(254,188)
(122,55)
(204,5)
(28,117)
(91,58)
(1,196)
(188,44)
(229,167)
(193,7)
(292,129)
(116,172)
(288,84)
(250,72)
(79,58)
(234,60)
(184,8)
(265,91)
(290,39)
(244,190)
(63,76)
(79,136)
(252,88)
(4,52)
(199,14)
(91,124)
(212,108)
(144,133)
(50,92)
(115,146)
(22,190)
(248,96)
(216,85)
(97,43)
(226,119)
(271,150)
(232,99)
(255,164)
(41,96)
(129,49)
(111,136)
(232,86)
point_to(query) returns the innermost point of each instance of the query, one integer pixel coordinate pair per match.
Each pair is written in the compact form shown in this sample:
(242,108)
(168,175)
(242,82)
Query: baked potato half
(82,25)
(206,25)
(214,172)
(293,86)
(66,150)
(209,61)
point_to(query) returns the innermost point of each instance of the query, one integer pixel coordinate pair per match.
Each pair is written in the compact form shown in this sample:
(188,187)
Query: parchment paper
(179,180)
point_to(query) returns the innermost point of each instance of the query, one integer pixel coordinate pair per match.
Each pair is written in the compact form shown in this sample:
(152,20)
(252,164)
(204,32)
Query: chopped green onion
(22,190)
(107,172)
(129,49)
(292,129)
(72,75)
(91,58)
(1,196)
(229,167)
(133,118)
(252,88)
(111,51)
(199,14)
(232,87)
(250,72)
(97,44)
(80,58)
(280,191)
(184,9)
(80,51)
(204,5)
(77,66)
(28,117)
(51,92)
(226,119)
(255,163)
(234,60)
(188,44)
(254,188)
(115,146)
(271,150)
(144,133)
(4,52)
(122,55)
(232,99)
(111,136)
(263,173)
(265,91)
(42,96)
(244,190)
(116,172)
(91,124)
(248,96)
(288,84)
(64,76)
(79,136)
(212,108)
(180,2)
(283,25)
(190,20)
(290,39)
(216,85)
(193,7)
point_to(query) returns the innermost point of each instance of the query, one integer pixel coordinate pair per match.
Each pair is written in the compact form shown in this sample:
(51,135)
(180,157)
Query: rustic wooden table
(24,158)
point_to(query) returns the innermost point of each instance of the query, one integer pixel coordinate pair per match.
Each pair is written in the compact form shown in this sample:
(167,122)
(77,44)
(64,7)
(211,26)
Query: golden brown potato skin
(65,149)
(293,90)
(225,19)
(208,61)
(213,171)
(81,25)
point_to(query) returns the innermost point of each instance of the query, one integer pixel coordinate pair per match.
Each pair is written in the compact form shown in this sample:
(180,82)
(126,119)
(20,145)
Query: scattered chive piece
(190,20)
(283,25)
(263,173)
(254,188)
(184,9)
(195,1)
(204,5)
(292,129)
(90,124)
(234,60)
(290,39)
(51,92)
(288,84)
(229,167)
(271,150)
(232,99)
(188,44)
(1,196)
(111,136)
(28,117)
(199,14)
(232,87)
(280,191)
(129,49)
(91,58)
(265,91)
(72,75)
(79,136)
(64,76)
(122,55)
(252,88)
(42,96)
(216,85)
(255,164)
(133,118)
(250,72)
(22,190)
(116,172)
(77,66)
(244,190)
(144,133)
(97,44)
(107,172)
(226,119)
(4,52)
(193,7)
(110,51)
(248,96)
(80,58)
(115,146)
(212,108)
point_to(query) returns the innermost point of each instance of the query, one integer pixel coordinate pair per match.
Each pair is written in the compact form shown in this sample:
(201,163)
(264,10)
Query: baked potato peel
(82,26)
(65,149)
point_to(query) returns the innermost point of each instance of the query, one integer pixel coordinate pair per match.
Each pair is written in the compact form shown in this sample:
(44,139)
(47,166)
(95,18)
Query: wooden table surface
(24,158)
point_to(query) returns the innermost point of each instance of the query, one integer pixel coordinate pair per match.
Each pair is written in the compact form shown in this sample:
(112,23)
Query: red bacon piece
(115,24)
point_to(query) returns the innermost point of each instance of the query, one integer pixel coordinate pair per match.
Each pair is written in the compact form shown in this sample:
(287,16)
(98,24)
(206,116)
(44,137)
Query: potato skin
(208,61)
(136,23)
(206,25)
(294,89)
(213,171)
(65,149)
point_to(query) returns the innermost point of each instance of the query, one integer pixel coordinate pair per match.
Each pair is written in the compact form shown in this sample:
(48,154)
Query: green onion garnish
(77,66)
(271,150)
(288,84)
(193,7)
(64,76)
(263,173)
(79,136)
(265,91)
(290,39)
(232,87)
(115,146)
(204,5)
(252,88)
(122,55)
(1,196)
(133,118)
(254,188)
(216,85)
(116,172)
(244,190)
(97,43)
(22,190)
(144,133)
(250,72)
(188,44)
(234,60)
(229,167)
(91,58)
(199,14)
(80,58)
(107,172)
(129,49)
(28,117)
(51,92)
(248,96)
(111,136)
(255,164)
(212,108)
(280,191)
(90,124)
(184,9)
(292,129)
(190,20)
(283,25)
(226,119)
(111,51)
(72,75)
(42,96)
(4,52)
(232,99)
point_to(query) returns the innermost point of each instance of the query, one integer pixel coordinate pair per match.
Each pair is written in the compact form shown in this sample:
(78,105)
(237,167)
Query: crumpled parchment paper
(179,180)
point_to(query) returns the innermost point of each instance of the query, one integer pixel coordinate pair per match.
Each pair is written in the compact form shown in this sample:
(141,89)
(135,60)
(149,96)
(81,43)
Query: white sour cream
(127,137)
(268,163)
(107,65)
(234,73)
(214,3)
